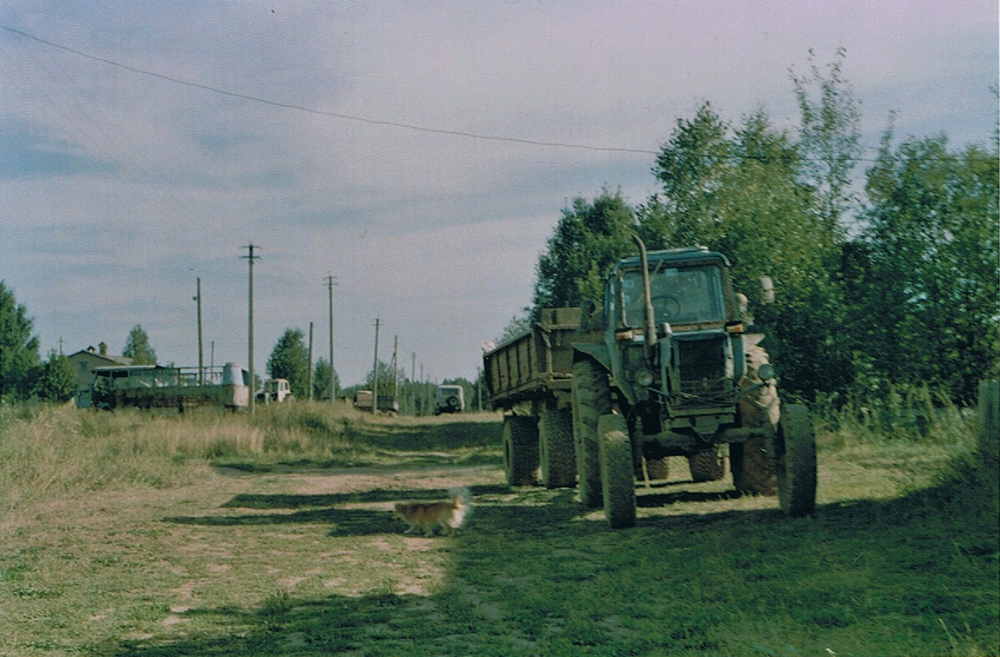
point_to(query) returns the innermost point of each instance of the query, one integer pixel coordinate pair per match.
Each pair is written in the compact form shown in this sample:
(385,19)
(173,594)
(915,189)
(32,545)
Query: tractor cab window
(680,296)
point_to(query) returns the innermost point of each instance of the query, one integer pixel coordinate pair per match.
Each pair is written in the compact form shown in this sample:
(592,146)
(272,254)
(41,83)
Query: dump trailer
(155,386)
(387,404)
(664,367)
(529,378)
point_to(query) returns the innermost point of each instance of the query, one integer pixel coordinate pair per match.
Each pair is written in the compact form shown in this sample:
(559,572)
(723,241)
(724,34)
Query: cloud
(120,188)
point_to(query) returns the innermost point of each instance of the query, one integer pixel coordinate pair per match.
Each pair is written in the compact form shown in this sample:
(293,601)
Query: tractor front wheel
(796,461)
(617,471)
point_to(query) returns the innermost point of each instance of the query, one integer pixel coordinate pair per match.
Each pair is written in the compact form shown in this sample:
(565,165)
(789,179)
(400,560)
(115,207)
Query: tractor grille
(702,369)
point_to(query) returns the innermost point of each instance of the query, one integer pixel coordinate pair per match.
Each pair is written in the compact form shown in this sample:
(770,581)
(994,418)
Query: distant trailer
(387,404)
(153,386)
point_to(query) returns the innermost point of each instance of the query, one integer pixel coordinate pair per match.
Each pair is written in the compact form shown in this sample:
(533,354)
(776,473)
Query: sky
(420,153)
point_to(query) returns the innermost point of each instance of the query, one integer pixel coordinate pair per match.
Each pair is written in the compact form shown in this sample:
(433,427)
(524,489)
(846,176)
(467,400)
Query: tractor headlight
(765,372)
(644,378)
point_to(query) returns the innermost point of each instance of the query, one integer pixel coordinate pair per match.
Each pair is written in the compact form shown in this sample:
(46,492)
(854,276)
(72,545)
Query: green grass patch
(295,552)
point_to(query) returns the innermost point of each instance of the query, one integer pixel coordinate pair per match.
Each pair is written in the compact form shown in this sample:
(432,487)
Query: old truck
(665,367)
(275,391)
(156,386)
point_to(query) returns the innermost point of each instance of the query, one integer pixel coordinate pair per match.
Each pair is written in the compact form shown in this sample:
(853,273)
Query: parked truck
(597,396)
(155,386)
(275,391)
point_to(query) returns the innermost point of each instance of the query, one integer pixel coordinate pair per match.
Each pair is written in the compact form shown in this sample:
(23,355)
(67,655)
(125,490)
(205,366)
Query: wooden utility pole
(310,377)
(395,367)
(201,351)
(375,374)
(253,381)
(330,282)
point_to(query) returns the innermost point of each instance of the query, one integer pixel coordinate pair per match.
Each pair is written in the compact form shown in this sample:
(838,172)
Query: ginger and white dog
(449,514)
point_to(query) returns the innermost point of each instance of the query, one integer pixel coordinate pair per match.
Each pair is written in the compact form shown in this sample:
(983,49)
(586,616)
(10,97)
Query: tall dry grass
(49,451)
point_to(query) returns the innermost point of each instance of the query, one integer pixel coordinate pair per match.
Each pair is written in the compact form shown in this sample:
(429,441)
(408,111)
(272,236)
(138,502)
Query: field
(213,534)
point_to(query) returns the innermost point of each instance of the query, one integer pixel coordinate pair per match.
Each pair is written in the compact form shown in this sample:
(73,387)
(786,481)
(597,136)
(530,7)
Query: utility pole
(201,352)
(310,377)
(375,374)
(253,382)
(395,368)
(413,382)
(330,282)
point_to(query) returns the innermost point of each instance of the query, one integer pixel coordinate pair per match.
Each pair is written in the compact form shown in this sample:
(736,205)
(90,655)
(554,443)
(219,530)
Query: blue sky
(119,188)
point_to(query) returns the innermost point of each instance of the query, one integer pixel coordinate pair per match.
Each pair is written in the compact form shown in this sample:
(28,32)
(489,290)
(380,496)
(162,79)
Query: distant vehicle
(449,399)
(154,386)
(275,390)
(387,404)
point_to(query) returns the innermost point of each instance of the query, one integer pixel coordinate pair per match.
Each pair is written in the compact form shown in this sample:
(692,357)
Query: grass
(212,534)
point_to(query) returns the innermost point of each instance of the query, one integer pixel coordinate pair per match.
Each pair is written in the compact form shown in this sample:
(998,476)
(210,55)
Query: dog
(449,514)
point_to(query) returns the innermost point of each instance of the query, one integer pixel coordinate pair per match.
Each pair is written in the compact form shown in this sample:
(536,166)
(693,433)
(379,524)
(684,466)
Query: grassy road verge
(218,535)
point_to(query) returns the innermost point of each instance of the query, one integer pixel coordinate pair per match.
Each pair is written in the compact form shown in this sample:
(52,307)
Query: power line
(398,124)
(337,115)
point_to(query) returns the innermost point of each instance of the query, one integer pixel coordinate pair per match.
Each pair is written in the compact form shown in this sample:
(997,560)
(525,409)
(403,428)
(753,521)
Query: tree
(829,139)
(137,347)
(56,381)
(321,379)
(18,347)
(738,190)
(926,266)
(588,239)
(290,360)
(388,380)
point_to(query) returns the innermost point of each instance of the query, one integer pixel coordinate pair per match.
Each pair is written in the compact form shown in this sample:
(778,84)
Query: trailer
(155,386)
(530,379)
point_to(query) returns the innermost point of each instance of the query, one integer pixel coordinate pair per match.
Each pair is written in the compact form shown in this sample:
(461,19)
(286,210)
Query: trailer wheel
(796,461)
(617,471)
(520,450)
(556,449)
(707,466)
(591,399)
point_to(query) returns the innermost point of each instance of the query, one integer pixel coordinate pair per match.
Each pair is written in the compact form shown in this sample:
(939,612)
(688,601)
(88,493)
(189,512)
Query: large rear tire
(754,469)
(520,450)
(796,462)
(707,466)
(591,399)
(557,452)
(617,471)
(658,469)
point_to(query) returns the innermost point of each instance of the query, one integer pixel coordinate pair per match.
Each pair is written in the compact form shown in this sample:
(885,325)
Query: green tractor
(677,375)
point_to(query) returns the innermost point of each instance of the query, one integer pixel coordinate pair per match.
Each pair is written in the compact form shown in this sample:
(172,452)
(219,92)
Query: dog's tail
(461,502)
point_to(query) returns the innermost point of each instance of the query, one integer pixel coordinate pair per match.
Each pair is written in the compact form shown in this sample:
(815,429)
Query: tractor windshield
(680,296)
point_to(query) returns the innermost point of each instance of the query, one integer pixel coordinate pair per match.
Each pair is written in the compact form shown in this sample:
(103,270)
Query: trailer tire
(709,465)
(591,399)
(796,461)
(617,471)
(556,449)
(520,450)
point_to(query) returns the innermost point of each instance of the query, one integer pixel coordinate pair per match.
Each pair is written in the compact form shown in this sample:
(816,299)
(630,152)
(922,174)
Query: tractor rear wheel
(591,399)
(707,466)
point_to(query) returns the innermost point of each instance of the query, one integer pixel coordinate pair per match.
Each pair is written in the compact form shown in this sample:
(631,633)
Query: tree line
(895,283)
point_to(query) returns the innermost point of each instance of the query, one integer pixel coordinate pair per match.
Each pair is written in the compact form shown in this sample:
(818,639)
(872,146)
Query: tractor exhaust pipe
(649,319)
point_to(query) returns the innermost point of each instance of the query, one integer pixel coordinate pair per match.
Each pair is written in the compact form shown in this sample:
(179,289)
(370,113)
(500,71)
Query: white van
(449,399)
